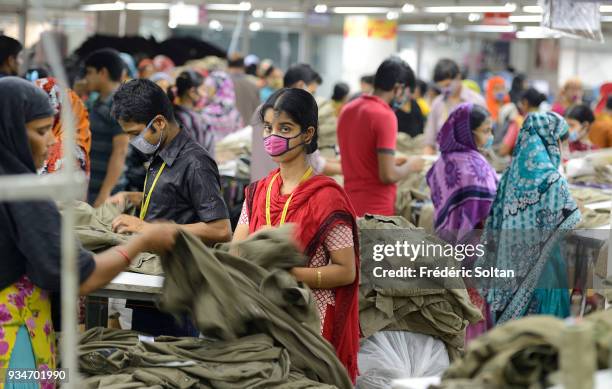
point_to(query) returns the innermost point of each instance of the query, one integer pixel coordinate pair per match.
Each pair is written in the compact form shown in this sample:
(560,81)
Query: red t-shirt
(365,126)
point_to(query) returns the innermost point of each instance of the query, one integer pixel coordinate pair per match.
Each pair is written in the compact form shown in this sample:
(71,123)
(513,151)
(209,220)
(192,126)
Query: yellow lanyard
(145,200)
(286,207)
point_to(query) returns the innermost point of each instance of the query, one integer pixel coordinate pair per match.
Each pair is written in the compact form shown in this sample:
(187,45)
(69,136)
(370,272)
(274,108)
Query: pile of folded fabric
(93,227)
(600,176)
(234,146)
(591,218)
(413,201)
(524,353)
(260,324)
(440,308)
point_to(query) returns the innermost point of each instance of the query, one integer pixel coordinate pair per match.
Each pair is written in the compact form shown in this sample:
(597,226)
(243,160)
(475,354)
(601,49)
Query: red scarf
(318,205)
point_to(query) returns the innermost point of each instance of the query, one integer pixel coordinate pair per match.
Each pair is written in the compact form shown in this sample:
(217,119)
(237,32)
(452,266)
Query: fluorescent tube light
(147,6)
(361,10)
(116,6)
(509,7)
(243,6)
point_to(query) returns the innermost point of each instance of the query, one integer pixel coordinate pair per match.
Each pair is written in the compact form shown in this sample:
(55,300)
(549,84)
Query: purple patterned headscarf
(463,184)
(220,112)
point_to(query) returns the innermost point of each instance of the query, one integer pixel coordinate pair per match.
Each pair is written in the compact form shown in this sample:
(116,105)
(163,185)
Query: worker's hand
(415,164)
(159,238)
(399,161)
(100,200)
(429,150)
(119,199)
(124,224)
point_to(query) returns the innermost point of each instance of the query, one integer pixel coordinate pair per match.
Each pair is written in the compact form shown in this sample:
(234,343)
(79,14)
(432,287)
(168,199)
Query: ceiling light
(361,10)
(284,15)
(474,17)
(172,24)
(116,6)
(507,8)
(537,32)
(489,28)
(419,27)
(407,8)
(605,8)
(442,26)
(320,8)
(215,25)
(532,9)
(258,13)
(392,15)
(243,6)
(525,18)
(147,6)
(255,26)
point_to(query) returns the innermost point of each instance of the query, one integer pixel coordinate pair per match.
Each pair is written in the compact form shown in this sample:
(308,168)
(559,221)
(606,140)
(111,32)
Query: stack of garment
(408,145)
(442,310)
(591,218)
(122,359)
(234,146)
(599,177)
(523,353)
(93,227)
(413,201)
(254,309)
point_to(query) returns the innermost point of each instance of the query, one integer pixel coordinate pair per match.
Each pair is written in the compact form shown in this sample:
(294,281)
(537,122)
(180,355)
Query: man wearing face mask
(367,136)
(447,78)
(182,183)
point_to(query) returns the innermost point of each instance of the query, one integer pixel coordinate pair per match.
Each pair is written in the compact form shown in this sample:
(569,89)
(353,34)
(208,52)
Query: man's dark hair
(300,106)
(422,85)
(108,59)
(581,113)
(296,73)
(139,101)
(609,103)
(317,78)
(446,69)
(367,79)
(391,72)
(341,90)
(236,61)
(9,47)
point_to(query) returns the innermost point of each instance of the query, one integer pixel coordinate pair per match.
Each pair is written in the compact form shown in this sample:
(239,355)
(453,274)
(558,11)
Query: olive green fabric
(119,359)
(230,297)
(438,311)
(525,353)
(93,227)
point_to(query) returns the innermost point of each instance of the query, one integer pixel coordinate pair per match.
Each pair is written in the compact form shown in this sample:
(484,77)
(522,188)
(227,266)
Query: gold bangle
(318,278)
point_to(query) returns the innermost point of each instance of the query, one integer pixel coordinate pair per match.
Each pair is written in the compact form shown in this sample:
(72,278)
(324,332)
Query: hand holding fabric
(128,224)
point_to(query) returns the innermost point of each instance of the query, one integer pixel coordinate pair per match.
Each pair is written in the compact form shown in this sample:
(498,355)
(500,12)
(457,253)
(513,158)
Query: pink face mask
(276,145)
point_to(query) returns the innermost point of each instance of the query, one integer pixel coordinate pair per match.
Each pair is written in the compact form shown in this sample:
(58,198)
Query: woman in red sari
(325,223)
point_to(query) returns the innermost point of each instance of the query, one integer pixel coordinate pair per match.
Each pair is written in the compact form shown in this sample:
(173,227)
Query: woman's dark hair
(422,85)
(517,90)
(301,108)
(534,97)
(446,69)
(581,113)
(139,101)
(184,82)
(341,90)
(269,71)
(477,116)
(391,72)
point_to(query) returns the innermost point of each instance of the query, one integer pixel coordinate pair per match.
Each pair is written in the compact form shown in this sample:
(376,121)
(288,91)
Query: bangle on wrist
(124,254)
(318,279)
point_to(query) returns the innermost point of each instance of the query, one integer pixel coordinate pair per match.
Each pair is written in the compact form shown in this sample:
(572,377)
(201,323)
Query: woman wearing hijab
(30,237)
(463,185)
(326,229)
(220,112)
(54,161)
(497,96)
(532,209)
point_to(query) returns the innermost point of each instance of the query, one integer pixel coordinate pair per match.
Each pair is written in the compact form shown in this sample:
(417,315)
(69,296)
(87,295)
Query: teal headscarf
(532,209)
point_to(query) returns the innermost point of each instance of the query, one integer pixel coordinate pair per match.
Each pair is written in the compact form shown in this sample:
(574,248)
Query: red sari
(318,205)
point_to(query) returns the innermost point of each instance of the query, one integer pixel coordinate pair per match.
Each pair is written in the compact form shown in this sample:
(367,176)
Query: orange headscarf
(492,104)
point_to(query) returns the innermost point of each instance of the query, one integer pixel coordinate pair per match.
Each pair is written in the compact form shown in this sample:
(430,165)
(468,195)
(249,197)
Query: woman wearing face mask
(580,118)
(571,94)
(463,184)
(497,96)
(274,81)
(30,239)
(532,209)
(220,113)
(324,218)
(528,103)
(188,96)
